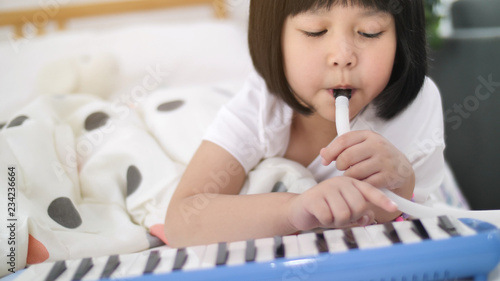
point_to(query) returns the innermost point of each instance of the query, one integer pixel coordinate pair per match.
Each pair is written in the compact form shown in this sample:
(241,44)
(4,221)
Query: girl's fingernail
(393,204)
(364,220)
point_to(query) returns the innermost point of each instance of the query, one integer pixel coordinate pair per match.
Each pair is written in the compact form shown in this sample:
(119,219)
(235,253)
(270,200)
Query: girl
(302,51)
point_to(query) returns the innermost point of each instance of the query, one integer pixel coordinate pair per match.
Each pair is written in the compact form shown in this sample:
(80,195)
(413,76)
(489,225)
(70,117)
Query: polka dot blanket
(94,177)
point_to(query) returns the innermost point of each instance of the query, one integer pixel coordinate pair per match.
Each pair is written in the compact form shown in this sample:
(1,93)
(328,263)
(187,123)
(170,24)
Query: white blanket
(95,177)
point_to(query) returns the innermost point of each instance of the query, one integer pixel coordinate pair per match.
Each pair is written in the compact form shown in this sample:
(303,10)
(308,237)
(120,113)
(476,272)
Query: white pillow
(179,116)
(182,54)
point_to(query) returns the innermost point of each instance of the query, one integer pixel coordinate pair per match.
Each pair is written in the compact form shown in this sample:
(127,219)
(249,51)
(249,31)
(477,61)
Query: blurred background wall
(465,64)
(237,13)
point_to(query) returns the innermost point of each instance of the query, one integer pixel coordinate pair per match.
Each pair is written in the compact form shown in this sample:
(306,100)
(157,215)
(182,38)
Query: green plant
(432,23)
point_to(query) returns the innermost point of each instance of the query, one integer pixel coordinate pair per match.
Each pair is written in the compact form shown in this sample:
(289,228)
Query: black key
(349,239)
(446,224)
(250,251)
(222,254)
(110,267)
(56,271)
(279,247)
(83,268)
(419,229)
(153,261)
(180,259)
(321,243)
(391,233)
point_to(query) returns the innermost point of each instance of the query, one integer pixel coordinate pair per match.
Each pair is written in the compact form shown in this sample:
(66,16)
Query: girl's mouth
(342,92)
(348,92)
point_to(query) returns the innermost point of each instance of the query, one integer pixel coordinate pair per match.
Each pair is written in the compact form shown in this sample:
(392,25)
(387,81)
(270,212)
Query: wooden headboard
(40,17)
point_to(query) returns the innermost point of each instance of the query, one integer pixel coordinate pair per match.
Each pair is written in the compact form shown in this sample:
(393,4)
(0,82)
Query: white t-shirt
(255,125)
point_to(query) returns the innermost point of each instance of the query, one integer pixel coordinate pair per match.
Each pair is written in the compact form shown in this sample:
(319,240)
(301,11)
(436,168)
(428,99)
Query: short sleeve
(426,153)
(254,124)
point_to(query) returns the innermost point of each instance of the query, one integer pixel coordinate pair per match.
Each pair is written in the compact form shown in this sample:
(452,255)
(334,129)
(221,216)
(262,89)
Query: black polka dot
(170,106)
(279,187)
(62,211)
(96,120)
(2,125)
(134,179)
(18,121)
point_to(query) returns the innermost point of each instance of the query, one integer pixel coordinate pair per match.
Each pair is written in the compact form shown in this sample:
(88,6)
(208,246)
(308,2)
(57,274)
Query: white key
(195,256)
(462,228)
(291,246)
(433,228)
(96,271)
(140,264)
(265,249)
(131,265)
(71,267)
(167,260)
(378,236)
(335,240)
(210,256)
(362,238)
(406,233)
(307,244)
(36,271)
(236,253)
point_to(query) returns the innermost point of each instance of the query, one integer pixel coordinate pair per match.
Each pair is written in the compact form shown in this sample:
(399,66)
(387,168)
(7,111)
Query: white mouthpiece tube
(413,209)
(342,115)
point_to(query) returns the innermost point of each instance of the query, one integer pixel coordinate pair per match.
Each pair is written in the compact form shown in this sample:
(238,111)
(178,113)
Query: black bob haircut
(266,23)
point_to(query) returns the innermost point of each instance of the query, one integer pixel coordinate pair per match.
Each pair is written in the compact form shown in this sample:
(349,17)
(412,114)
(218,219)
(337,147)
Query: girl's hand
(335,203)
(369,157)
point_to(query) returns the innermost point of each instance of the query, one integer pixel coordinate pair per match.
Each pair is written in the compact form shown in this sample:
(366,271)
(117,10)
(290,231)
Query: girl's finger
(375,196)
(352,156)
(334,149)
(367,219)
(340,210)
(363,170)
(322,212)
(355,201)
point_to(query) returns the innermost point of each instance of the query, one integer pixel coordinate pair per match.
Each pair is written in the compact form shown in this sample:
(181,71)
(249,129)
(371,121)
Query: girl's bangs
(296,7)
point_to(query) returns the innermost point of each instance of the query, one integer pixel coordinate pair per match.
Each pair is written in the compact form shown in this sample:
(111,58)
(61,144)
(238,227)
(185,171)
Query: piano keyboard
(441,248)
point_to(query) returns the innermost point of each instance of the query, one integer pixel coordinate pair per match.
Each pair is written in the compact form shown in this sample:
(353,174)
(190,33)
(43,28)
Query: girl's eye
(315,34)
(370,35)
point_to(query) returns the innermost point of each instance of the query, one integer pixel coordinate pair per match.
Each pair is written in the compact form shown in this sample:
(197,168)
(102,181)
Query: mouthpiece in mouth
(342,97)
(342,92)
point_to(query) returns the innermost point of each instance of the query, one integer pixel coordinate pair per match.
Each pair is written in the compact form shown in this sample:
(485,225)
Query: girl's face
(343,47)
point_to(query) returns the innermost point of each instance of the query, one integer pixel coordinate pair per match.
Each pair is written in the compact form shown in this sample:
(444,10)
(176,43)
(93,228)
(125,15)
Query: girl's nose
(342,56)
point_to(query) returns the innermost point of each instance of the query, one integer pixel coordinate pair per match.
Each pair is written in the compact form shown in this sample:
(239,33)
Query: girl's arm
(206,207)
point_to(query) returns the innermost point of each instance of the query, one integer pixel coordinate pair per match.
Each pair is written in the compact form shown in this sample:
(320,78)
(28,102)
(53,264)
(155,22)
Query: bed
(93,122)
(98,124)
